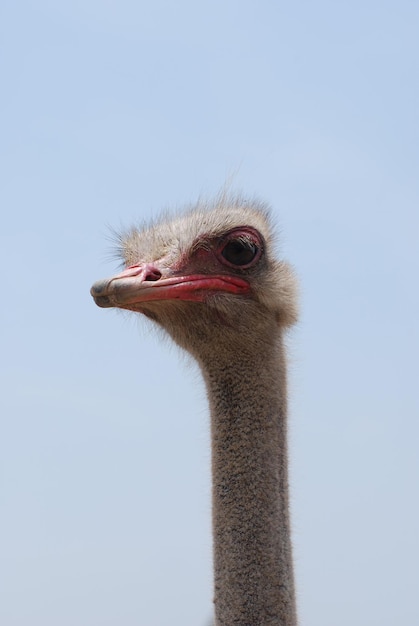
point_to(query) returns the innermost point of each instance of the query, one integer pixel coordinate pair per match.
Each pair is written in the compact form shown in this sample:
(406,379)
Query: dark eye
(239,251)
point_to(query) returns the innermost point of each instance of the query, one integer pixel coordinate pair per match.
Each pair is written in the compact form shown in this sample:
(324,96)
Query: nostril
(145,271)
(152,274)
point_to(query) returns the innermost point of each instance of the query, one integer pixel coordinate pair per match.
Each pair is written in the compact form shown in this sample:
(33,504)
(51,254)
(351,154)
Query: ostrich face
(208,268)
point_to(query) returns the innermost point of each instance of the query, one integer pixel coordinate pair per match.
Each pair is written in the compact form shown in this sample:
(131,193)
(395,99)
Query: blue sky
(112,111)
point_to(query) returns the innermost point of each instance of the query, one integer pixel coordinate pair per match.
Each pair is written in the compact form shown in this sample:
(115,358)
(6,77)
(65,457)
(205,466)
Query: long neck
(254,581)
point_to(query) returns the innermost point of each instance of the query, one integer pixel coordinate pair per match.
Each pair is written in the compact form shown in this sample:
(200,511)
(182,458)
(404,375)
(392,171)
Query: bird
(209,277)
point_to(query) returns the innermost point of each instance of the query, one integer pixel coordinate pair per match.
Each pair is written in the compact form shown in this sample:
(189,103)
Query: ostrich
(208,277)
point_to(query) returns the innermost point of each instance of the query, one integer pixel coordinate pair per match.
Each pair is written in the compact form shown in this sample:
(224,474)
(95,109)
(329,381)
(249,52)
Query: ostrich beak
(138,284)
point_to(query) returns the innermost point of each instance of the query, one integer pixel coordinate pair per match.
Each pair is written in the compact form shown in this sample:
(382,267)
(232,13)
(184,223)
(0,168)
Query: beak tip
(96,292)
(98,287)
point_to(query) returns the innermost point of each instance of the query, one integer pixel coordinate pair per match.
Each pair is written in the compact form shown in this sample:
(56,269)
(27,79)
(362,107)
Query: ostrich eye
(239,251)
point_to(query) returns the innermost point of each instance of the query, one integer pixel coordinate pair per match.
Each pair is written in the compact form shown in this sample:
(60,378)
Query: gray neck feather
(254,582)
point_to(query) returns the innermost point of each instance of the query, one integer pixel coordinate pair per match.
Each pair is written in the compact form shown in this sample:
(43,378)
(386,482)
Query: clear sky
(112,111)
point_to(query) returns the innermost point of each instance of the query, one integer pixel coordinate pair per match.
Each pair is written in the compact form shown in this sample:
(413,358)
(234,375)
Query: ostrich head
(206,276)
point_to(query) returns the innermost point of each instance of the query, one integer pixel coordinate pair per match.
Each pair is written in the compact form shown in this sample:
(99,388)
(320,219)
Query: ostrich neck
(254,582)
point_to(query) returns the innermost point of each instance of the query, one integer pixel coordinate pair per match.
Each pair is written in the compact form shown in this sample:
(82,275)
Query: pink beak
(144,283)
